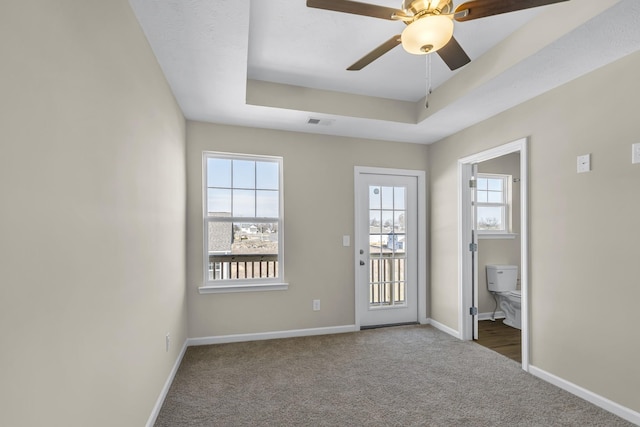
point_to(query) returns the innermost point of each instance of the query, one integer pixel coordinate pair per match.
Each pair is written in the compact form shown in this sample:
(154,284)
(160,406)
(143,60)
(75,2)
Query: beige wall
(92,185)
(584,251)
(318,198)
(500,251)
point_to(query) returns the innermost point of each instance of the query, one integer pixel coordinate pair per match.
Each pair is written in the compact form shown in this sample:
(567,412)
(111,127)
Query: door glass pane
(374,197)
(398,198)
(375,225)
(398,221)
(387,221)
(396,243)
(387,238)
(387,197)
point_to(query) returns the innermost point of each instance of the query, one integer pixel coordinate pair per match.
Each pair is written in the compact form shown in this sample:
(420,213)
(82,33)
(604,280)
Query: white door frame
(422,255)
(464,222)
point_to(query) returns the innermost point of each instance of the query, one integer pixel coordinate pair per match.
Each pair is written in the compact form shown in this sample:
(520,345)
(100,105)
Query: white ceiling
(292,44)
(276,63)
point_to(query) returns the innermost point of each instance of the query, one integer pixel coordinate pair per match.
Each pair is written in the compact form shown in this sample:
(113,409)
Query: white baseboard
(223,339)
(488,316)
(606,404)
(167,384)
(444,328)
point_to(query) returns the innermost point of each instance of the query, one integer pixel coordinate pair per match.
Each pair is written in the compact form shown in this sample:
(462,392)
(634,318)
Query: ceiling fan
(429,24)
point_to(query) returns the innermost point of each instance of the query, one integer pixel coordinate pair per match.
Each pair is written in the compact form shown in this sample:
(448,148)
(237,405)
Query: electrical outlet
(316,305)
(167,341)
(635,153)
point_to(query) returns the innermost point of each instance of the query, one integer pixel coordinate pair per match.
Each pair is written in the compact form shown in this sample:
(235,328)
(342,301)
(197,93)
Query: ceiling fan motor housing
(433,6)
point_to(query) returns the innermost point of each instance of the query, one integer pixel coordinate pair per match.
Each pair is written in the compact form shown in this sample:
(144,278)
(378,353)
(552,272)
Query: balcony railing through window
(242,266)
(387,281)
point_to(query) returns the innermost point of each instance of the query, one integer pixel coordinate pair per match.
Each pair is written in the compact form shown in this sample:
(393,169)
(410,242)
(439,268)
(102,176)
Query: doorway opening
(473,289)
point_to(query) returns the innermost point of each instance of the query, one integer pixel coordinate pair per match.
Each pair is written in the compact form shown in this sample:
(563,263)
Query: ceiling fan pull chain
(428,82)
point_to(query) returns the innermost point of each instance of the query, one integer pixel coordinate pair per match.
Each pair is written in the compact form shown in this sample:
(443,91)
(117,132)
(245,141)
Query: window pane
(495,184)
(482,196)
(255,238)
(243,250)
(267,204)
(387,197)
(219,173)
(490,218)
(398,198)
(220,237)
(244,203)
(494,196)
(267,175)
(218,201)
(482,183)
(374,197)
(244,174)
(246,188)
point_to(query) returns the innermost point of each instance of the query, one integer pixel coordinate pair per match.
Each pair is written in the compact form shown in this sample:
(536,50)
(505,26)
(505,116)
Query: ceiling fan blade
(356,8)
(482,8)
(453,55)
(375,53)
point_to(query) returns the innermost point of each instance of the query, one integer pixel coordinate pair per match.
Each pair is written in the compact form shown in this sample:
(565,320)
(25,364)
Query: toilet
(502,281)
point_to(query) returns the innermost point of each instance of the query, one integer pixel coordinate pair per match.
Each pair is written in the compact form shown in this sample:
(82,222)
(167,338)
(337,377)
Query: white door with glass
(386,250)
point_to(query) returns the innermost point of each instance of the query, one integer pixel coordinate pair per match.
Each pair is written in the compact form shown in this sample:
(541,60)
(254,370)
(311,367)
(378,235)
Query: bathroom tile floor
(500,338)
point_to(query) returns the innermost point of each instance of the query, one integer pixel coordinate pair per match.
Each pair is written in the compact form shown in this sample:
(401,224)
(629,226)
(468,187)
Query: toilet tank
(502,278)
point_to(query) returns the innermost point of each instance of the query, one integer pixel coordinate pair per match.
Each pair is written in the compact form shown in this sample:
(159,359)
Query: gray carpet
(401,376)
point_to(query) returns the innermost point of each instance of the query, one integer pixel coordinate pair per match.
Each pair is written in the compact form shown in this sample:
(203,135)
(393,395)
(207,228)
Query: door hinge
(473,311)
(473,247)
(472,183)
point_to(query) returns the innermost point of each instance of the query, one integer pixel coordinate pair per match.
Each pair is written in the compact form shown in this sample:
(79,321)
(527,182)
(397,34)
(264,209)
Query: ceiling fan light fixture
(427,34)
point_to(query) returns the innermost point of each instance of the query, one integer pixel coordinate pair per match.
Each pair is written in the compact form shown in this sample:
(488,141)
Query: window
(493,203)
(242,222)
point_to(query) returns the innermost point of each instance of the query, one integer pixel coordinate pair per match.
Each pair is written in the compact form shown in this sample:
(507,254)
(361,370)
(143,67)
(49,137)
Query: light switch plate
(346,240)
(584,163)
(635,153)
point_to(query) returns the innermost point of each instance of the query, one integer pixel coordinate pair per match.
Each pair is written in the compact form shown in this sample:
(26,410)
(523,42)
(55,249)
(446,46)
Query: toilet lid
(516,293)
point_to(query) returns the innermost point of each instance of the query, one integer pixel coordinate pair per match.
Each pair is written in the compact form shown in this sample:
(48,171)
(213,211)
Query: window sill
(225,289)
(496,236)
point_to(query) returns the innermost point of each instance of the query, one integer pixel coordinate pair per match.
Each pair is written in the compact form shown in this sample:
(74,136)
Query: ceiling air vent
(321,122)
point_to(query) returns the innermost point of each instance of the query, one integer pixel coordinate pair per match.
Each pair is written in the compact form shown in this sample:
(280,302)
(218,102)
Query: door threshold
(389,325)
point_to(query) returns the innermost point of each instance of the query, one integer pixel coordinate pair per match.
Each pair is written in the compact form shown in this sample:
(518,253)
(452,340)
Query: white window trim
(241,285)
(499,234)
